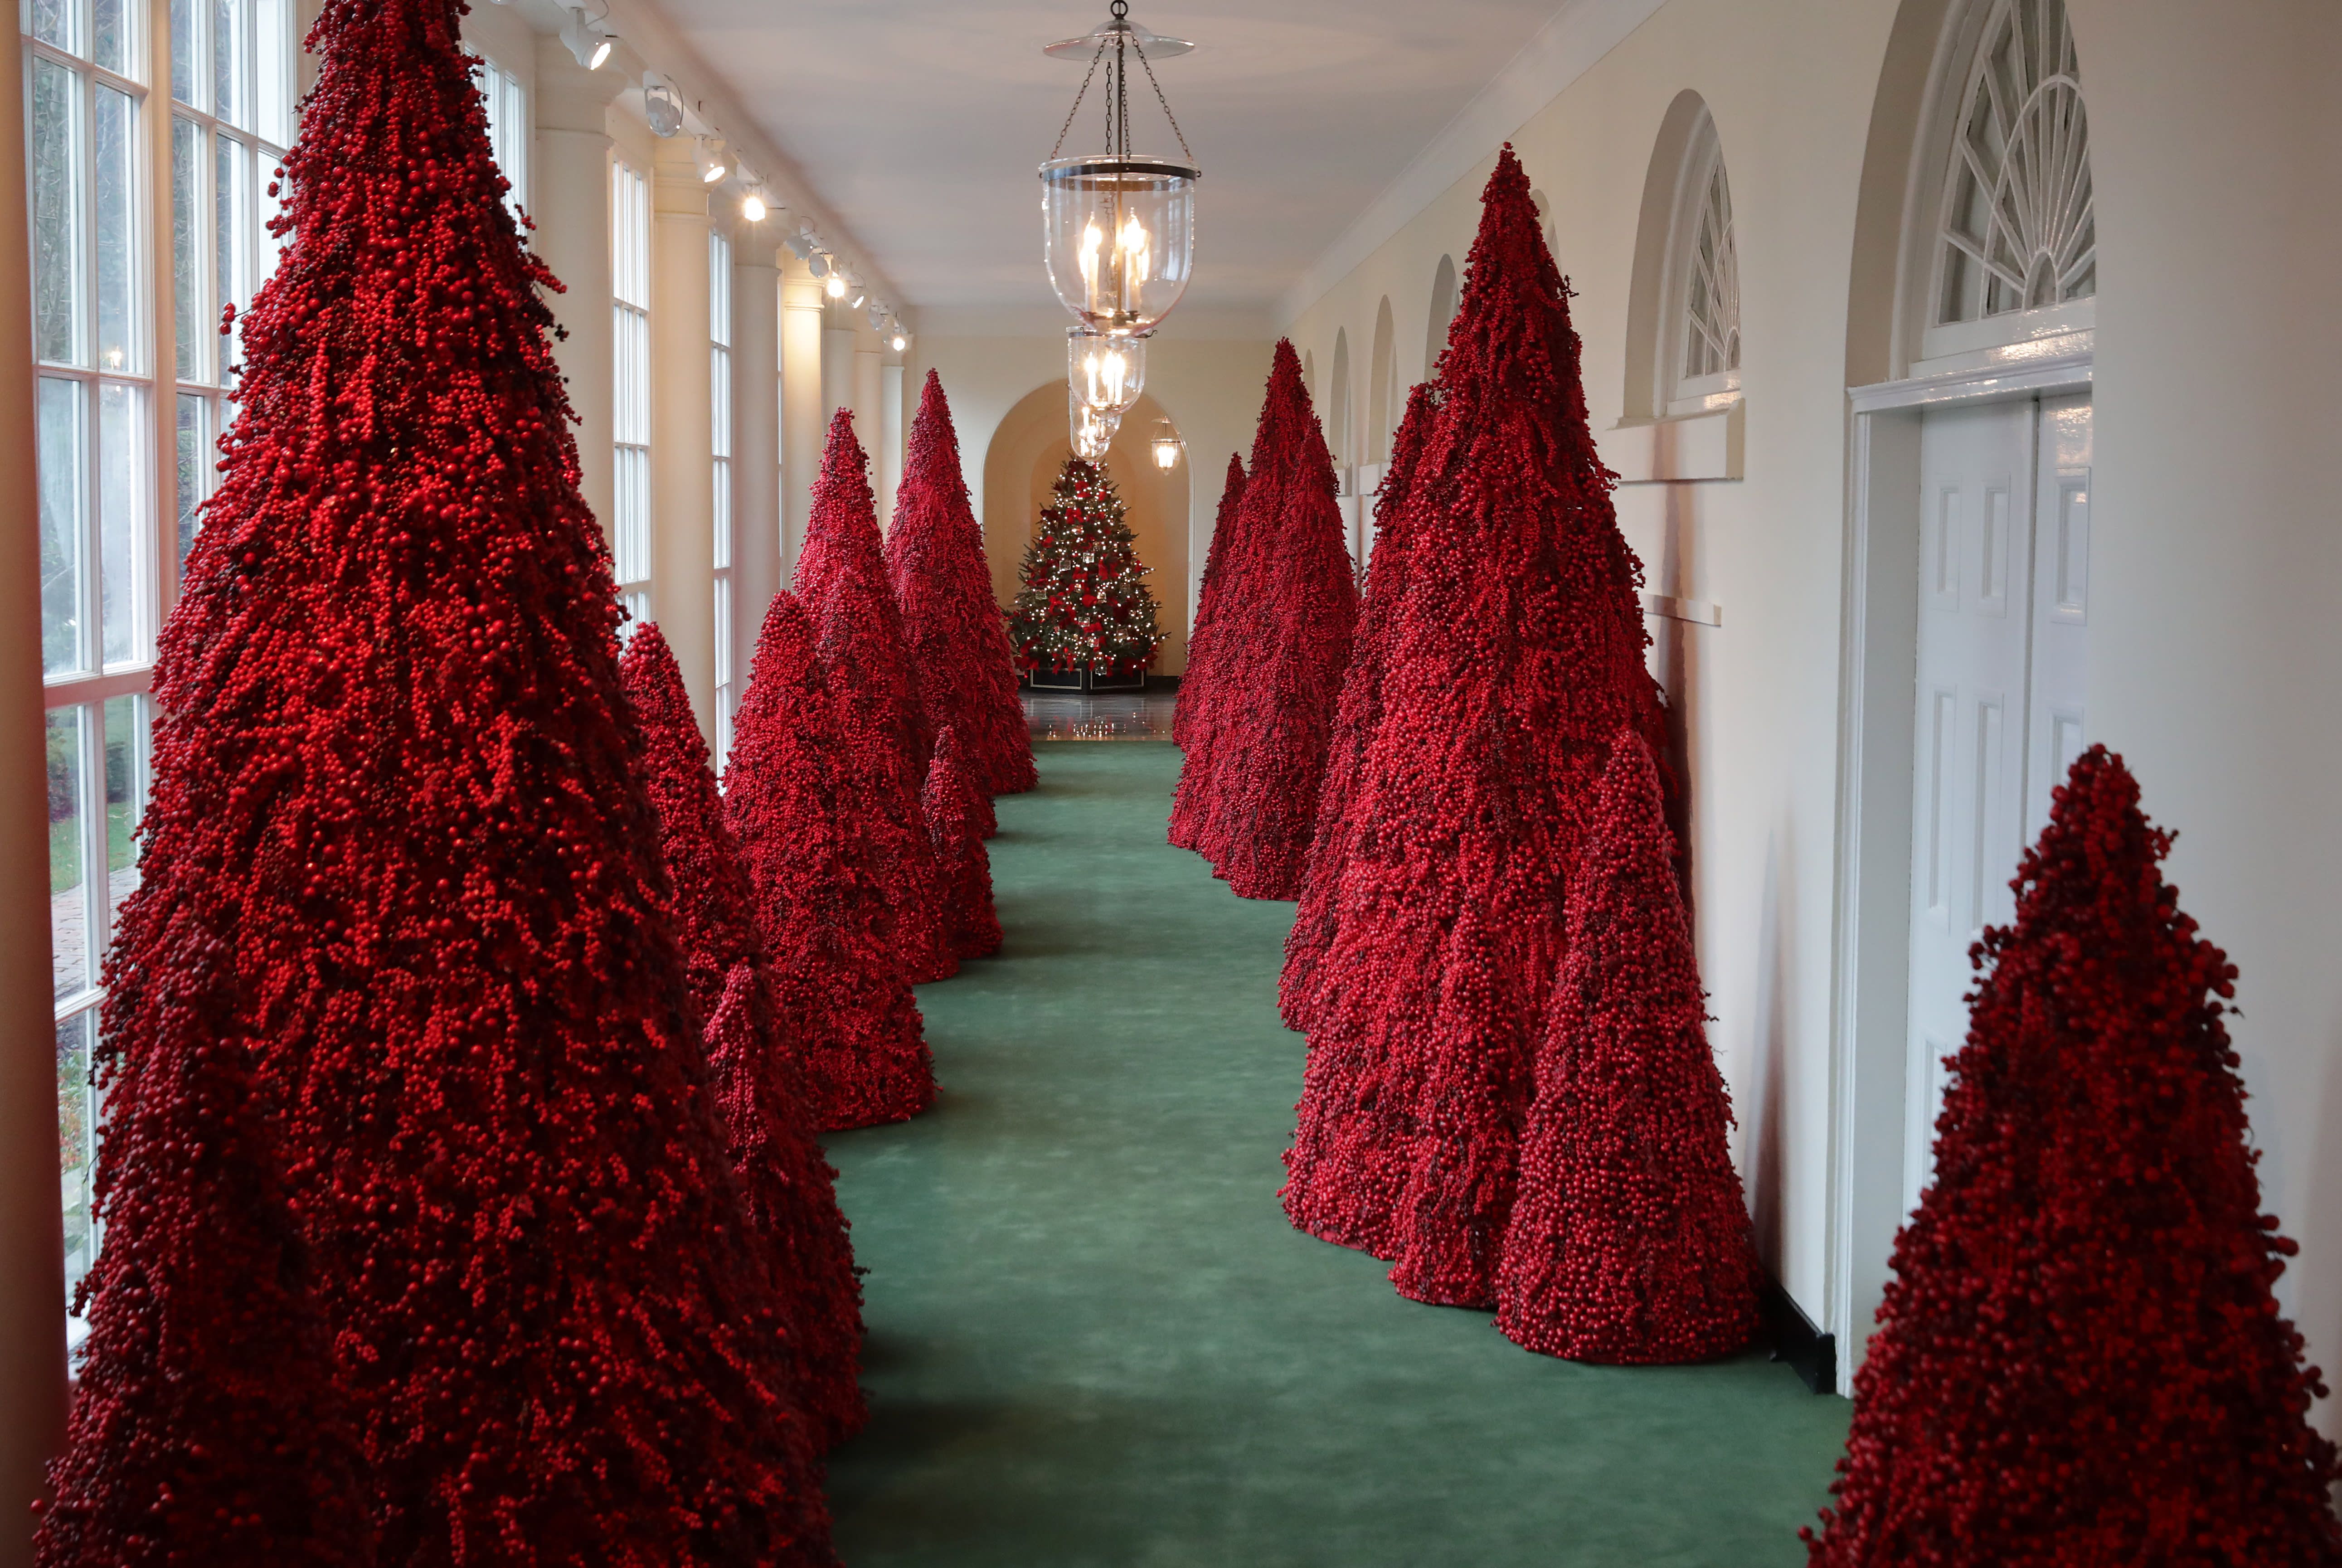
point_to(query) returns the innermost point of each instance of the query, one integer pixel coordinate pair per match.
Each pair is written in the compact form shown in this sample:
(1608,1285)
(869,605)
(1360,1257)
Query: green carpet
(1094,1341)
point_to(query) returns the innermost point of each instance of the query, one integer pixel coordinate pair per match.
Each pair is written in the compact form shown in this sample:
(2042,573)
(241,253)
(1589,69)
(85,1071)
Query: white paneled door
(2003,667)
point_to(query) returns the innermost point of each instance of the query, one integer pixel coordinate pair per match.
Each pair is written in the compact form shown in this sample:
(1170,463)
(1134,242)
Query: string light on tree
(1085,604)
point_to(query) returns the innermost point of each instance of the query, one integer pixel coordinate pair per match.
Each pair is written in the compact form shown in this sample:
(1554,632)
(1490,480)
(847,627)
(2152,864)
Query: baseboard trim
(1809,1352)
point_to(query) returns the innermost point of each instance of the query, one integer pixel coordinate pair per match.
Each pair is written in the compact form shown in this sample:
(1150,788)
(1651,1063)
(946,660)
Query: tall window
(1702,363)
(134,385)
(508,128)
(719,425)
(630,391)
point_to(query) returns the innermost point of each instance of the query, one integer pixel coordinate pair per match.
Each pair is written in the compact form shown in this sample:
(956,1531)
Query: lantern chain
(1165,101)
(1076,109)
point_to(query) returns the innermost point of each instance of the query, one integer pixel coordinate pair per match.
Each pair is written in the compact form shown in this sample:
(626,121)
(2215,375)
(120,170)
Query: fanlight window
(2019,230)
(1712,287)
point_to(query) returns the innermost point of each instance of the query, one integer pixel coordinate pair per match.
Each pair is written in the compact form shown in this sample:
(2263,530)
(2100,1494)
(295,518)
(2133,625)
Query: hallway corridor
(1095,1342)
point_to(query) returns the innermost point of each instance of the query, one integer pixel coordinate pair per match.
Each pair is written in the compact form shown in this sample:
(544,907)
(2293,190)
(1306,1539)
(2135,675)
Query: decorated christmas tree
(950,798)
(789,1187)
(1287,639)
(882,740)
(398,851)
(2080,1358)
(1355,718)
(958,646)
(1629,1240)
(1516,657)
(1192,685)
(1084,603)
(846,1007)
(205,1427)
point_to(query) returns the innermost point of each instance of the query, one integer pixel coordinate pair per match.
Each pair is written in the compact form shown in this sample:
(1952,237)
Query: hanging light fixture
(1167,446)
(835,286)
(1106,373)
(898,341)
(753,206)
(1119,228)
(1093,432)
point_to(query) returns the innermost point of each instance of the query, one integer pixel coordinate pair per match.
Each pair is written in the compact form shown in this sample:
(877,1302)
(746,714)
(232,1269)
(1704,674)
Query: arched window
(2015,237)
(1543,206)
(1310,375)
(1700,343)
(1443,311)
(1383,403)
(1338,401)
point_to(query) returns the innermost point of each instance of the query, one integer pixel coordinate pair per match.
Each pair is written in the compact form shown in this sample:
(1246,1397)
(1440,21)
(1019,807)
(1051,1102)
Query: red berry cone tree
(1207,603)
(789,1187)
(1629,1240)
(845,1005)
(398,846)
(883,745)
(1516,659)
(2080,1358)
(1356,716)
(206,1427)
(1084,603)
(950,798)
(1293,637)
(958,640)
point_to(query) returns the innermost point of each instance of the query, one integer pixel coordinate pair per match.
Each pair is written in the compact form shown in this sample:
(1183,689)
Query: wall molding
(1579,35)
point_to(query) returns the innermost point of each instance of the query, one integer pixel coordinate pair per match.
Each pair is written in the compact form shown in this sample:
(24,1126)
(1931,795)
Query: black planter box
(1086,679)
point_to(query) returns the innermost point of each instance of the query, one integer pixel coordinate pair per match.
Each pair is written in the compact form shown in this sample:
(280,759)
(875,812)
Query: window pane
(183,75)
(228,97)
(120,575)
(78,1143)
(53,22)
(114,35)
(68,909)
(125,799)
(112,195)
(195,469)
(186,247)
(272,72)
(56,222)
(231,206)
(63,476)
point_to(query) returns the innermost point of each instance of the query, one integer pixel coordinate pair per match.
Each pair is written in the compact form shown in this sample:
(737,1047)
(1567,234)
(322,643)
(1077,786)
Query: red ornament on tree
(1517,657)
(958,643)
(2080,1359)
(1084,551)
(845,1004)
(398,848)
(950,798)
(1192,686)
(1629,1241)
(789,1187)
(1256,767)
(883,745)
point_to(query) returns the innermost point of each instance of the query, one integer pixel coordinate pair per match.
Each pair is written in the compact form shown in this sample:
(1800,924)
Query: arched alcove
(1444,300)
(1383,401)
(1335,410)
(1020,464)
(1683,248)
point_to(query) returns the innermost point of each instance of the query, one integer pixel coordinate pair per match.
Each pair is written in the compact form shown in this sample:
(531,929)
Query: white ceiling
(920,122)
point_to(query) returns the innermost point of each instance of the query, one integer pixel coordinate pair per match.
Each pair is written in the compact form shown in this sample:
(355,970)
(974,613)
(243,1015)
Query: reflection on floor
(1100,715)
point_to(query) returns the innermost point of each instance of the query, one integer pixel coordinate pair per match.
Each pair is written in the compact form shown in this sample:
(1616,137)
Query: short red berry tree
(1515,658)
(2080,1358)
(1629,1240)
(1286,643)
(846,1007)
(882,738)
(1084,603)
(789,1187)
(398,848)
(949,799)
(958,643)
(1192,685)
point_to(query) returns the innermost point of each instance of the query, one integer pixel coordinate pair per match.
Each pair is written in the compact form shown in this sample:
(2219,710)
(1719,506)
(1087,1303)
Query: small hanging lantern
(1167,446)
(1106,373)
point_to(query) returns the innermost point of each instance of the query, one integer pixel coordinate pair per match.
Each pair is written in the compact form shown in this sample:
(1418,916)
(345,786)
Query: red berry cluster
(2080,1359)
(882,734)
(788,1187)
(1629,1240)
(1196,684)
(958,643)
(1513,659)
(1247,796)
(1084,603)
(950,798)
(845,1003)
(400,855)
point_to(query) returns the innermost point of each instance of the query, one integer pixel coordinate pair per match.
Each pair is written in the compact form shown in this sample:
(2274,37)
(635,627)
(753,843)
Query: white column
(683,478)
(803,410)
(572,209)
(836,371)
(890,440)
(755,439)
(32,1225)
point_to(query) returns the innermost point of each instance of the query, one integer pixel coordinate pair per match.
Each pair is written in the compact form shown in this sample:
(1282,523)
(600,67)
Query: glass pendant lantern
(1106,373)
(1167,446)
(1093,432)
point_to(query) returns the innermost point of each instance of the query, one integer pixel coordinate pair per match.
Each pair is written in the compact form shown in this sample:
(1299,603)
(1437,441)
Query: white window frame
(506,100)
(630,389)
(719,428)
(1702,197)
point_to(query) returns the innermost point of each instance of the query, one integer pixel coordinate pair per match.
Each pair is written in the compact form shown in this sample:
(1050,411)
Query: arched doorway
(1020,468)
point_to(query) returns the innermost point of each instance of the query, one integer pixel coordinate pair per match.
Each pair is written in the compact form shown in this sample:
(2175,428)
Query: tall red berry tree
(399,849)
(958,643)
(950,798)
(1290,640)
(883,741)
(789,1187)
(1629,1241)
(1192,685)
(2080,1358)
(206,1427)
(1517,657)
(845,1006)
